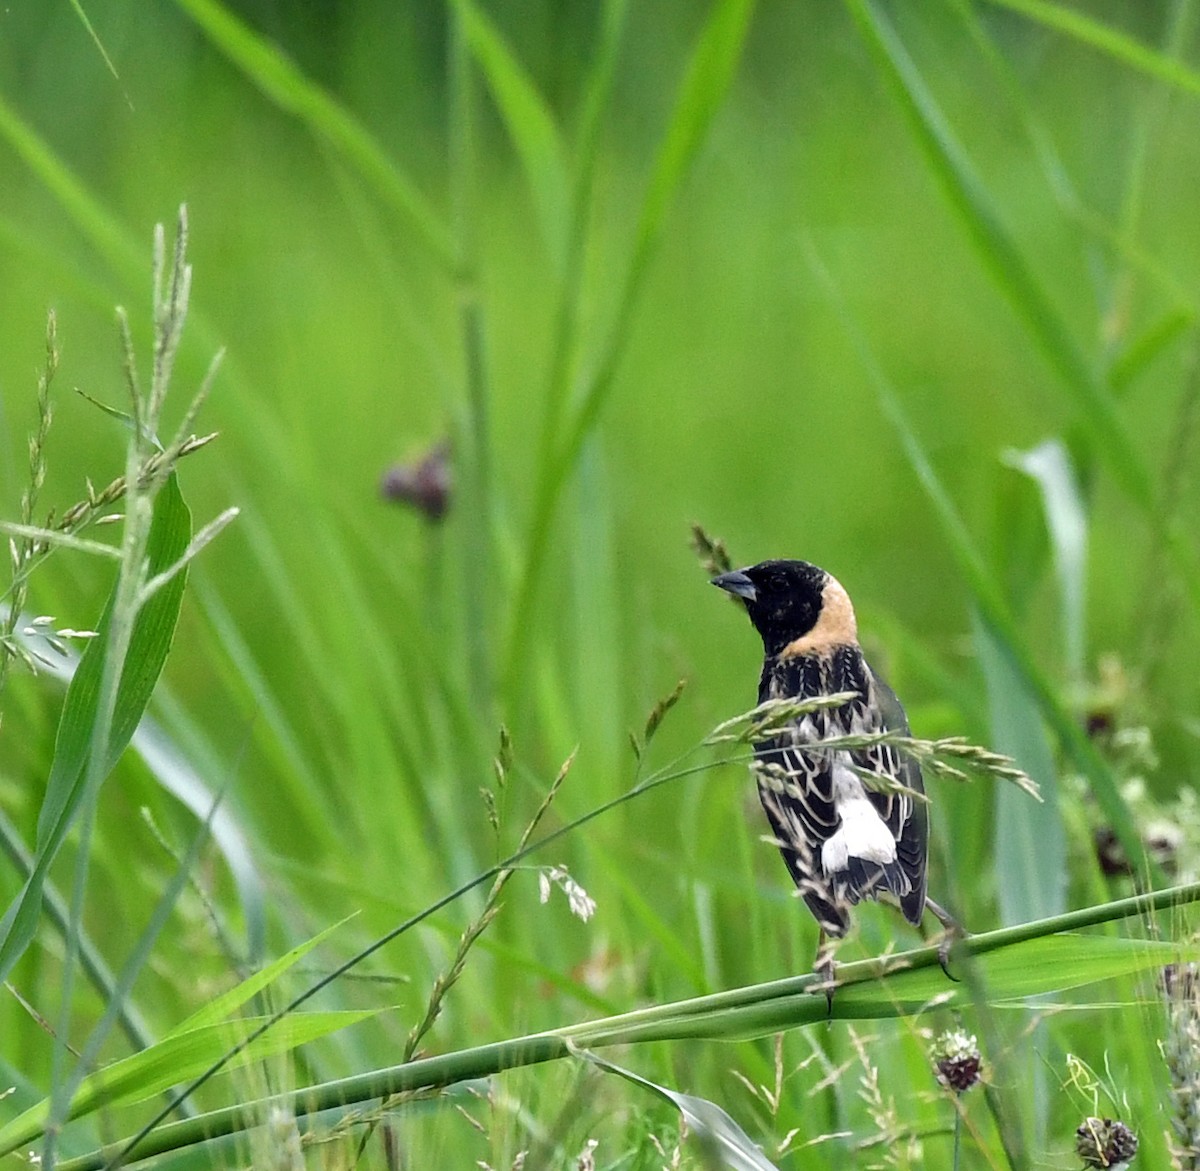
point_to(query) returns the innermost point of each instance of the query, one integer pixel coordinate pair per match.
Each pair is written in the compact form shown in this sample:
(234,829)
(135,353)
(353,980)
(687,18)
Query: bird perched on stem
(843,836)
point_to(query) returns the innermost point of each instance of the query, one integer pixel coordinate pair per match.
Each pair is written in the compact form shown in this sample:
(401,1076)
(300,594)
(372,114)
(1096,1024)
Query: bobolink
(842,840)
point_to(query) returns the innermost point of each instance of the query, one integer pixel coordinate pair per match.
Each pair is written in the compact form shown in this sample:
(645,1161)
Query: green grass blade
(64,1091)
(153,629)
(309,797)
(998,249)
(90,216)
(1148,346)
(168,761)
(991,602)
(530,124)
(172,769)
(285,85)
(1114,240)
(473,437)
(91,958)
(179,1056)
(1029,840)
(710,73)
(721,1140)
(91,32)
(229,1002)
(1035,968)
(596,98)
(1049,465)
(1107,40)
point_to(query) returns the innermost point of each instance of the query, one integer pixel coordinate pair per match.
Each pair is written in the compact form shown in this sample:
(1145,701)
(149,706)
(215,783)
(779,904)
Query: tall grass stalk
(73,796)
(23,548)
(475,440)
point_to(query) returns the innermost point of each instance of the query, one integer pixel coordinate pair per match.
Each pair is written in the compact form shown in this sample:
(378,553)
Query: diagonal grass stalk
(754,1010)
(738,730)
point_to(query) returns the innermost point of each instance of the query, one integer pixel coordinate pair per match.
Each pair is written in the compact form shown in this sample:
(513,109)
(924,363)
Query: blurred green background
(344,664)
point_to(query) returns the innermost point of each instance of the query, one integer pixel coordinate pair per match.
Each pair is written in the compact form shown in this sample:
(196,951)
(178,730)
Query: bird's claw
(952,932)
(823,969)
(943,953)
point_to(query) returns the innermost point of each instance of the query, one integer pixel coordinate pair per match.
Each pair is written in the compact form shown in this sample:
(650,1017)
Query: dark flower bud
(425,483)
(1105,1142)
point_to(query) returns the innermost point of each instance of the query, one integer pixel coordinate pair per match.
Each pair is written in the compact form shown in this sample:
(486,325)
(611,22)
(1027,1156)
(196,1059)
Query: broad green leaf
(150,642)
(153,630)
(176,1058)
(722,1142)
(1049,464)
(530,125)
(222,1006)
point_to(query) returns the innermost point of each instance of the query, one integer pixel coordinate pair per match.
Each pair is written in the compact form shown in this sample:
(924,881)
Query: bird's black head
(783,598)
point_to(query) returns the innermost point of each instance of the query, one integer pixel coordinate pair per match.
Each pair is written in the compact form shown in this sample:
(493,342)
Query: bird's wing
(796,791)
(803,782)
(905,816)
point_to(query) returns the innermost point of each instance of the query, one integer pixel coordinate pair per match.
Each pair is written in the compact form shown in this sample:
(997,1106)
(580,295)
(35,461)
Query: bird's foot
(952,932)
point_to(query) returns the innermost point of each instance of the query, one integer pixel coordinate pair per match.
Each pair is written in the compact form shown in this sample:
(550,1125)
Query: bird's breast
(830,672)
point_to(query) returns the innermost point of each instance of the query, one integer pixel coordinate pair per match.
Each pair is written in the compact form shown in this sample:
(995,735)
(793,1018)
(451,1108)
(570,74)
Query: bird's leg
(823,967)
(952,930)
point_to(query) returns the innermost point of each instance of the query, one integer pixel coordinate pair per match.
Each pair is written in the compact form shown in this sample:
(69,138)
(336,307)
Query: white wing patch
(863,833)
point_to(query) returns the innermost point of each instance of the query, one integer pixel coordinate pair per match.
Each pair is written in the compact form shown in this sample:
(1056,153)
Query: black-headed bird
(842,839)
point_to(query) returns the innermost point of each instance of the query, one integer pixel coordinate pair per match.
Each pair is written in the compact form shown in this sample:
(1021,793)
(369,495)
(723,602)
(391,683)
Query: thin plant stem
(447,979)
(477,513)
(24,552)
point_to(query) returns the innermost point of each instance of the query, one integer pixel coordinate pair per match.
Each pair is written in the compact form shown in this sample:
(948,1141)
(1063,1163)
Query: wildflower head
(957,1060)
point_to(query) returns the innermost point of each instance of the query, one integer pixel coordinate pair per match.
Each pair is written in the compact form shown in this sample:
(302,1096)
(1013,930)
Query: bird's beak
(736,583)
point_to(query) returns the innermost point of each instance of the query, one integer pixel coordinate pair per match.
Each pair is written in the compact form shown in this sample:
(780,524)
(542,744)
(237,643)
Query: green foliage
(809,274)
